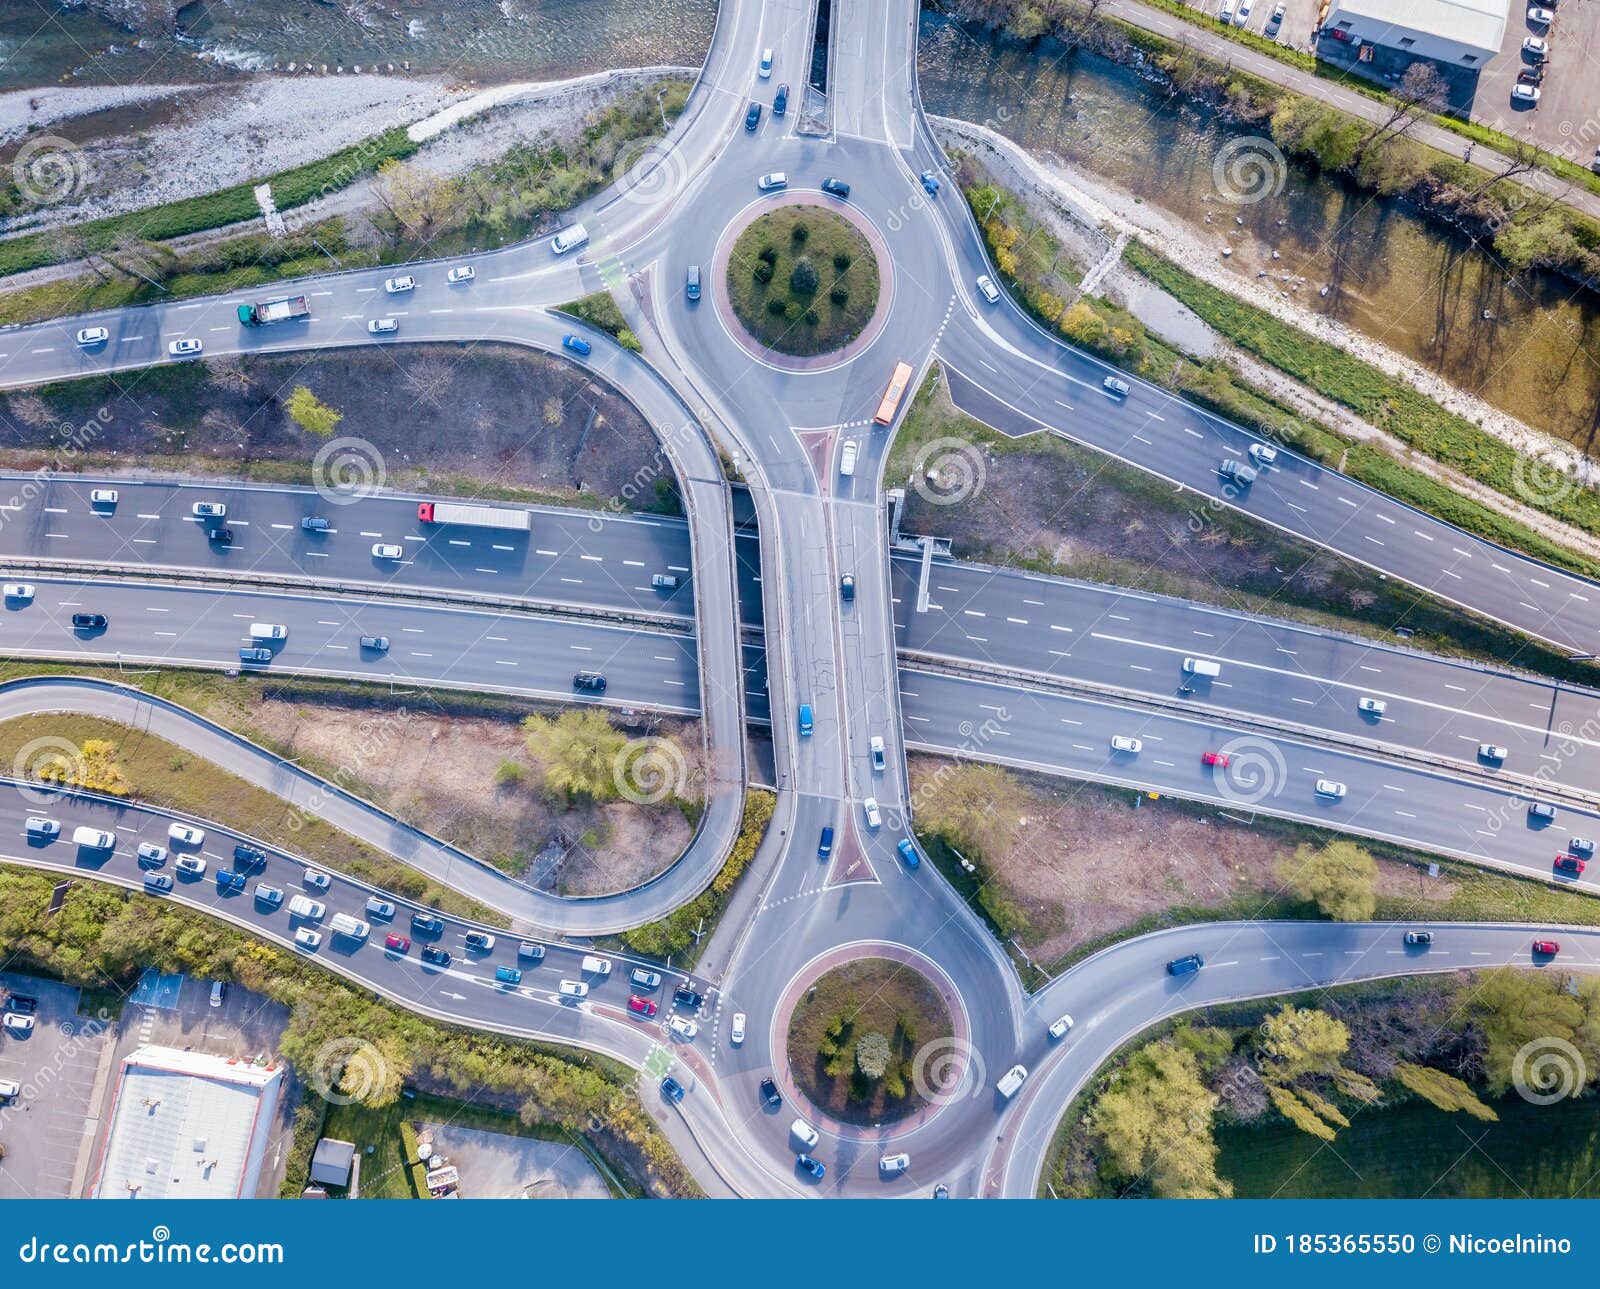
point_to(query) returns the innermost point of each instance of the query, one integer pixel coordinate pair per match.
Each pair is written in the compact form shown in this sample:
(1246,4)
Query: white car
(1116,387)
(103,497)
(191,864)
(1536,47)
(1492,752)
(988,289)
(875,745)
(397,285)
(10,1089)
(736,1034)
(306,938)
(17,1023)
(1122,743)
(387,550)
(1059,1028)
(39,826)
(684,1028)
(1330,788)
(1371,706)
(461,273)
(209,510)
(894,1165)
(1278,10)
(19,590)
(574,989)
(317,880)
(869,808)
(379,326)
(1525,93)
(186,835)
(771,183)
(1541,16)
(766,63)
(804,1133)
(1243,16)
(184,348)
(93,336)
(847,458)
(1263,453)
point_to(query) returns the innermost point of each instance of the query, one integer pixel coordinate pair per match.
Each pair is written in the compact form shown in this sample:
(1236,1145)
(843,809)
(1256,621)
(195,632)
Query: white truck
(452,512)
(282,310)
(351,927)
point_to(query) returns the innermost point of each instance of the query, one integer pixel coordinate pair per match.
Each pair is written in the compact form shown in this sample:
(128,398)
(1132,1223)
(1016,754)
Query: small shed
(330,1162)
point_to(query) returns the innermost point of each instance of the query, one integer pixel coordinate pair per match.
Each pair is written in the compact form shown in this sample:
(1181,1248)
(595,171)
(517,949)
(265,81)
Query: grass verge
(599,310)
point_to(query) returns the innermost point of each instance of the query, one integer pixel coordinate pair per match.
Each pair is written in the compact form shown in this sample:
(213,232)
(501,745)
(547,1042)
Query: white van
(1201,667)
(268,631)
(596,966)
(346,925)
(303,906)
(847,458)
(93,838)
(1011,1080)
(567,238)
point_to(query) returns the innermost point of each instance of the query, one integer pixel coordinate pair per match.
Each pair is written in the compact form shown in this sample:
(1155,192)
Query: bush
(800,232)
(778,308)
(803,279)
(842,261)
(810,317)
(762,273)
(768,254)
(840,296)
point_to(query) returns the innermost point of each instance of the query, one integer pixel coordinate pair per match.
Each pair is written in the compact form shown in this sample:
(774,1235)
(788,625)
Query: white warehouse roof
(187,1125)
(1479,23)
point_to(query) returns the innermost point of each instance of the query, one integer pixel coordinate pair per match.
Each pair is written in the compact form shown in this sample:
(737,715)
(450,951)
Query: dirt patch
(471,417)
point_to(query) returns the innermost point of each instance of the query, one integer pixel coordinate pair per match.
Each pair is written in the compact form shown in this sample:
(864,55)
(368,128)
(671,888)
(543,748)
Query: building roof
(1478,23)
(187,1125)
(330,1162)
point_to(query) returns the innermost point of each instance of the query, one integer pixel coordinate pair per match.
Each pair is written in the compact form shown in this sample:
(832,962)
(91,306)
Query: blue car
(577,344)
(1185,966)
(805,720)
(930,183)
(813,1166)
(670,1087)
(508,975)
(228,880)
(825,846)
(426,924)
(908,852)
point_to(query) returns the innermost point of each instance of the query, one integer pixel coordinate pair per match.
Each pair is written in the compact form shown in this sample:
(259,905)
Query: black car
(88,621)
(479,941)
(752,117)
(780,104)
(836,188)
(248,858)
(434,956)
(847,587)
(770,1096)
(25,1004)
(224,536)
(686,997)
(426,924)
(591,681)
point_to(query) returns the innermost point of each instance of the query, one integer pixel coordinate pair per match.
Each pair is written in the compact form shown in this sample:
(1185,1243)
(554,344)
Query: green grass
(600,310)
(785,316)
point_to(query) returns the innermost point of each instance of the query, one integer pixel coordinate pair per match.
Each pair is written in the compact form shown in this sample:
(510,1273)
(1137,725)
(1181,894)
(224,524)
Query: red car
(1569,864)
(1549,948)
(641,1006)
(398,943)
(1215,758)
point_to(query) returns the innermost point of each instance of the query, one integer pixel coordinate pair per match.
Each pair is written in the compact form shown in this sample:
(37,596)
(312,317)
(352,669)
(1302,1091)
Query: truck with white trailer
(453,512)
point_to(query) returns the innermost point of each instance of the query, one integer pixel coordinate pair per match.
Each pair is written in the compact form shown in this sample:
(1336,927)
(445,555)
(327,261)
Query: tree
(311,414)
(1154,1123)
(1444,1091)
(578,751)
(872,1055)
(1299,1047)
(1421,92)
(1513,1010)
(1339,878)
(420,203)
(973,807)
(803,279)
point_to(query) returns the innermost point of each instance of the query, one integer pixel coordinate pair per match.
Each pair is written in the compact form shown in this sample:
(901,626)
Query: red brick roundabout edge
(772,357)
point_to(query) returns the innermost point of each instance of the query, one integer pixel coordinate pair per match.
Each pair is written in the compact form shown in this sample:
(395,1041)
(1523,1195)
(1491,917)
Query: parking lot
(44,1129)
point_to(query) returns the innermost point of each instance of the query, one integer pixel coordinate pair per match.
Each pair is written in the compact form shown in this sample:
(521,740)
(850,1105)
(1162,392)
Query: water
(489,41)
(1392,275)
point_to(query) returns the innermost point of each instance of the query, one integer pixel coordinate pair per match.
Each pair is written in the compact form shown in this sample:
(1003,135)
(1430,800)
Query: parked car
(184,348)
(434,956)
(1536,48)
(22,1004)
(1525,92)
(772,182)
(577,345)
(1540,16)
(641,1006)
(770,1096)
(1419,939)
(461,273)
(398,285)
(672,1089)
(396,943)
(590,682)
(10,1089)
(382,326)
(836,188)
(93,336)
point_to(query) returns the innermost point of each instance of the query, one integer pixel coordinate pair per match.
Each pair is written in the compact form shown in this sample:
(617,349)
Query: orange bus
(896,391)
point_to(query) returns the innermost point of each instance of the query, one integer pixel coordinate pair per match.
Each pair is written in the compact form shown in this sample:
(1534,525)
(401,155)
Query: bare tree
(1422,91)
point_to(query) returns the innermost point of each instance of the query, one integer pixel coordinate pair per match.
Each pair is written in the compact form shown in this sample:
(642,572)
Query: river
(1390,273)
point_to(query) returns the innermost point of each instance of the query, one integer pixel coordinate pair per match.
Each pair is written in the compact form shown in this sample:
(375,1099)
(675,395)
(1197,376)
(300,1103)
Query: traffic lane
(1060,735)
(428,644)
(1278,670)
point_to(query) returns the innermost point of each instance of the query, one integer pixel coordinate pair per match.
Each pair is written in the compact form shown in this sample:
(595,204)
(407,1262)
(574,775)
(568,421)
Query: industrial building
(1460,33)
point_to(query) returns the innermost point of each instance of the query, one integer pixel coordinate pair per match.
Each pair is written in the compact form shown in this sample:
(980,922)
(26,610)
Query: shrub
(800,232)
(810,317)
(777,308)
(840,296)
(803,279)
(842,260)
(769,255)
(762,273)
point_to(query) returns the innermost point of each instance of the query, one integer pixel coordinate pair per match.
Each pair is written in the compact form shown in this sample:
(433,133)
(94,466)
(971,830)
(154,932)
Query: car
(765,69)
(813,1166)
(271,896)
(1186,965)
(930,183)
(426,924)
(1546,948)
(88,621)
(894,1165)
(825,842)
(186,835)
(664,581)
(805,720)
(1220,759)
(249,857)
(508,975)
(875,747)
(869,808)
(590,681)
(396,943)
(573,989)
(17,1023)
(1523,92)
(683,1027)
(23,1004)
(38,826)
(303,906)
(1371,706)
(1536,48)
(150,855)
(1330,788)
(642,978)
(577,345)
(1570,864)
(691,283)
(10,1089)
(434,956)
(772,182)
(398,285)
(641,1006)
(987,289)
(683,996)
(19,590)
(93,336)
(780,101)
(752,117)
(1116,387)
(1492,752)
(1278,10)
(102,496)
(1419,939)
(379,644)
(847,458)
(908,853)
(1540,16)
(736,1029)
(1541,812)
(1583,847)
(1243,16)
(461,273)
(770,1096)
(209,510)
(836,188)
(307,939)
(387,550)
(191,865)
(157,882)
(847,587)
(804,1133)
(382,910)
(383,326)
(1059,1027)
(222,536)
(229,880)
(672,1089)
(184,348)
(479,941)
(1240,473)
(1126,743)
(1263,454)
(315,524)
(317,880)
(531,951)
